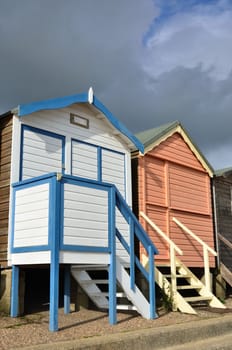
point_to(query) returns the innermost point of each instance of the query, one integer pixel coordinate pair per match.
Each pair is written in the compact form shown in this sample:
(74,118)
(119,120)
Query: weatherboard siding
(31,216)
(85,216)
(5,167)
(41,154)
(172,183)
(175,148)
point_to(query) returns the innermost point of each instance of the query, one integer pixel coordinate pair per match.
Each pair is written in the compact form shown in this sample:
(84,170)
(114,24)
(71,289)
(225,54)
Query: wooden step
(106,294)
(198,298)
(92,267)
(95,281)
(189,286)
(178,276)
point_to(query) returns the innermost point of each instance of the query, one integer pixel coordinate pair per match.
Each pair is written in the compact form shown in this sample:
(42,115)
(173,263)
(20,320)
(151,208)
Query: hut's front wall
(173,183)
(5,166)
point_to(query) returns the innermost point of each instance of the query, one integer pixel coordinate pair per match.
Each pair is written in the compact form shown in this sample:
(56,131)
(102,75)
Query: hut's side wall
(5,166)
(223,191)
(173,183)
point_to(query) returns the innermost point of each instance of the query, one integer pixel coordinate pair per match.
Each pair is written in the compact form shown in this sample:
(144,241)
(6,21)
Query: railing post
(132,254)
(54,225)
(112,266)
(67,281)
(173,277)
(206,268)
(152,283)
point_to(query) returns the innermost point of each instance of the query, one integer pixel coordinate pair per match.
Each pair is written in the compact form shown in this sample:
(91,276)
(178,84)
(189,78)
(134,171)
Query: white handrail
(173,247)
(194,236)
(161,233)
(206,250)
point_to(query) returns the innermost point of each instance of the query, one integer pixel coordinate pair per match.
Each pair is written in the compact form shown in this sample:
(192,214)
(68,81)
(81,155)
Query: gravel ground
(19,332)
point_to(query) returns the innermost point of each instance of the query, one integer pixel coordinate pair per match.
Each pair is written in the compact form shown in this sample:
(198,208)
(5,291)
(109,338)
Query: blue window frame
(99,150)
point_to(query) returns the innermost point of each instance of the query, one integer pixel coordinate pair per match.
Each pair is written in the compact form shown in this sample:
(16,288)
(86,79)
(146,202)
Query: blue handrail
(136,230)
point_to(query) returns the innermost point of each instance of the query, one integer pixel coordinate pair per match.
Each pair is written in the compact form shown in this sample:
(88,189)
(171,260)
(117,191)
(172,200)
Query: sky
(149,61)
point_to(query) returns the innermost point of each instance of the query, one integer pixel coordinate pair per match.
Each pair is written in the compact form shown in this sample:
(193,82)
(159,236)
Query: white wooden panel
(30,224)
(41,154)
(113,169)
(86,224)
(123,228)
(31,258)
(84,258)
(84,160)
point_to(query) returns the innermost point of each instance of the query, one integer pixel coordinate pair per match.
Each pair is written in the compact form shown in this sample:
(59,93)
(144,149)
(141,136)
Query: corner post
(67,289)
(112,266)
(15,292)
(54,214)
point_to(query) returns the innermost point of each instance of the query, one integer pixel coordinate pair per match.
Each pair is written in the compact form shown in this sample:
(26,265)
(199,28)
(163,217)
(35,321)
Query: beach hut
(172,198)
(65,198)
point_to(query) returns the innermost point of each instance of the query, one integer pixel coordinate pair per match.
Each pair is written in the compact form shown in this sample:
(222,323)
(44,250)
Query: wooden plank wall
(223,192)
(173,183)
(5,164)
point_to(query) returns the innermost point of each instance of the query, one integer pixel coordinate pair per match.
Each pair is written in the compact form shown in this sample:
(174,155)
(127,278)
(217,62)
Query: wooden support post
(206,268)
(152,284)
(173,277)
(67,289)
(112,267)
(15,292)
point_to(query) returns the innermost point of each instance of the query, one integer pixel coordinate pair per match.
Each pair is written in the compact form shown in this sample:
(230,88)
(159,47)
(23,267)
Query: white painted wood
(31,227)
(83,258)
(86,225)
(136,297)
(41,154)
(91,289)
(84,160)
(113,169)
(31,258)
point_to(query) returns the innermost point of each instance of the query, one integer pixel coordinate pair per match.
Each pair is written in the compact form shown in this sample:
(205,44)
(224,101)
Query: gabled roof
(225,172)
(153,137)
(62,102)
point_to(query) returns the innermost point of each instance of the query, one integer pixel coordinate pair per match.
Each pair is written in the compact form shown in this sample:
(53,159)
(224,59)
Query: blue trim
(55,103)
(62,102)
(25,249)
(112,267)
(54,264)
(33,180)
(42,132)
(15,292)
(84,248)
(67,284)
(132,255)
(99,164)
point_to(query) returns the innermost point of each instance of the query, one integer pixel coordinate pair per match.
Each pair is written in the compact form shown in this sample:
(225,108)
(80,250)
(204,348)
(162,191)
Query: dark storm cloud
(145,73)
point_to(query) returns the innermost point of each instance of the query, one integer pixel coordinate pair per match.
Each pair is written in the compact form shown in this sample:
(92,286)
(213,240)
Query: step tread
(198,298)
(104,281)
(106,294)
(178,276)
(90,267)
(189,286)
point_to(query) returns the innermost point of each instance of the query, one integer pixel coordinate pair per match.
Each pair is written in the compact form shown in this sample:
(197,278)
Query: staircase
(113,286)
(190,291)
(94,280)
(183,289)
